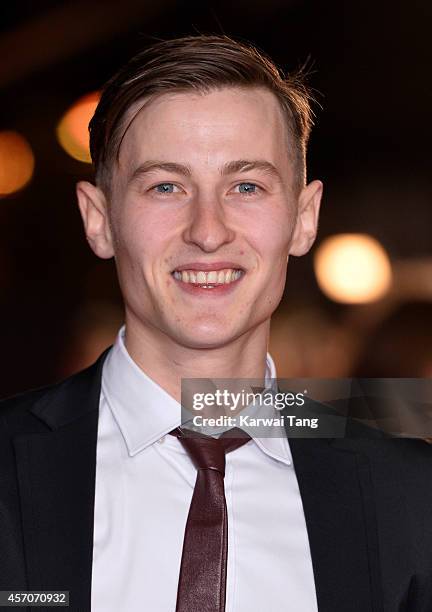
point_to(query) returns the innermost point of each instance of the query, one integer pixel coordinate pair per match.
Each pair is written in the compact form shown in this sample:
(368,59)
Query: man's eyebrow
(238,165)
(153,165)
(244,165)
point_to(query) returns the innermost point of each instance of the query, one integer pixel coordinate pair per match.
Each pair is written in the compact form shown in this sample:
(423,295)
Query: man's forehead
(227,106)
(241,131)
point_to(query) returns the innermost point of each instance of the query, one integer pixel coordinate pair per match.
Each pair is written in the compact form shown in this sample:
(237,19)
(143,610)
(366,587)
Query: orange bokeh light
(72,130)
(352,268)
(16,162)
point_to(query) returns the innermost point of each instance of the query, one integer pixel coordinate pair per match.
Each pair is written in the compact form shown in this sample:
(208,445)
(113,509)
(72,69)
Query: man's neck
(167,362)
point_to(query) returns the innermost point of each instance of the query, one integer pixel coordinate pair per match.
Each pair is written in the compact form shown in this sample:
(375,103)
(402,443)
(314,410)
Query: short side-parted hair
(195,63)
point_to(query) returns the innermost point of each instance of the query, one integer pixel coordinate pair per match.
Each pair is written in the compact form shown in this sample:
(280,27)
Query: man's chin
(199,338)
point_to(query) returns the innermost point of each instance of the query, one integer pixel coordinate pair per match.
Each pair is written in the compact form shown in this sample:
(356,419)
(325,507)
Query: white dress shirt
(144,485)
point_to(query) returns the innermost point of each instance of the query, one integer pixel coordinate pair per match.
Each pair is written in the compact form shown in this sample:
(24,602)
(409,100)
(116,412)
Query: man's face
(203,213)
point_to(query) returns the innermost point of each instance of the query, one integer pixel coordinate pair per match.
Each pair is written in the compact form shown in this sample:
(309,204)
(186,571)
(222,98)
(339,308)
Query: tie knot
(208,453)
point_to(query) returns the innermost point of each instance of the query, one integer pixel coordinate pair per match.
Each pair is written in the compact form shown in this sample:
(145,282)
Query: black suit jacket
(367,504)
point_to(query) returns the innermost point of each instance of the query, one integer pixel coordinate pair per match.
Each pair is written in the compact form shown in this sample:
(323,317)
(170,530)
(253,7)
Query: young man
(200,196)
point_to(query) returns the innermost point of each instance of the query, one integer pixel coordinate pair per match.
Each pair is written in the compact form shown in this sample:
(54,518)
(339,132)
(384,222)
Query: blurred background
(359,304)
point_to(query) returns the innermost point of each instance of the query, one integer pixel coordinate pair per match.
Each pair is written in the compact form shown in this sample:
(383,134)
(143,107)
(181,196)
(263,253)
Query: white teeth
(214,277)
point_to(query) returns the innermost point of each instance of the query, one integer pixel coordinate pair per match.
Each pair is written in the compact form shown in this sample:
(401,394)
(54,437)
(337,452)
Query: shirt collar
(145,412)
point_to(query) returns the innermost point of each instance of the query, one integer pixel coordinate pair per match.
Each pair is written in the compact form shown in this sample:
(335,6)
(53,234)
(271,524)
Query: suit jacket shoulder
(53,405)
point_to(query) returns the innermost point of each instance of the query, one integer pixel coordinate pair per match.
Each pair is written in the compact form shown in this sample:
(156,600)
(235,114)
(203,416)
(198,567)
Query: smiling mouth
(208,279)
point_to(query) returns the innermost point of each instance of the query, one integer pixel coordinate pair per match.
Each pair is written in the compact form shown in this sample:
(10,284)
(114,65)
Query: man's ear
(94,212)
(307,218)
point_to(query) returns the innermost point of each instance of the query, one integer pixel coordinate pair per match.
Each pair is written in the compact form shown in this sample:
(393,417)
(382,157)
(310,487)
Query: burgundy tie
(202,582)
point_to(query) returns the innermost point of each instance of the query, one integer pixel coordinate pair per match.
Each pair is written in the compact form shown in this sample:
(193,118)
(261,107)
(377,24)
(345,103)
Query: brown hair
(201,63)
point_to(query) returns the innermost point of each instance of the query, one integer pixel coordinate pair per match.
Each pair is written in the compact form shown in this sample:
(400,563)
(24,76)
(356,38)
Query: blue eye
(165,188)
(247,188)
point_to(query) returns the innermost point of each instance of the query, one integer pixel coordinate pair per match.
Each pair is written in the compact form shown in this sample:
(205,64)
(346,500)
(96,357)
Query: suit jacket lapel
(338,503)
(56,474)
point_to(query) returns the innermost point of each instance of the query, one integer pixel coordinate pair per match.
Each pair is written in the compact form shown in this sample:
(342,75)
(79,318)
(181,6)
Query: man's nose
(207,227)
